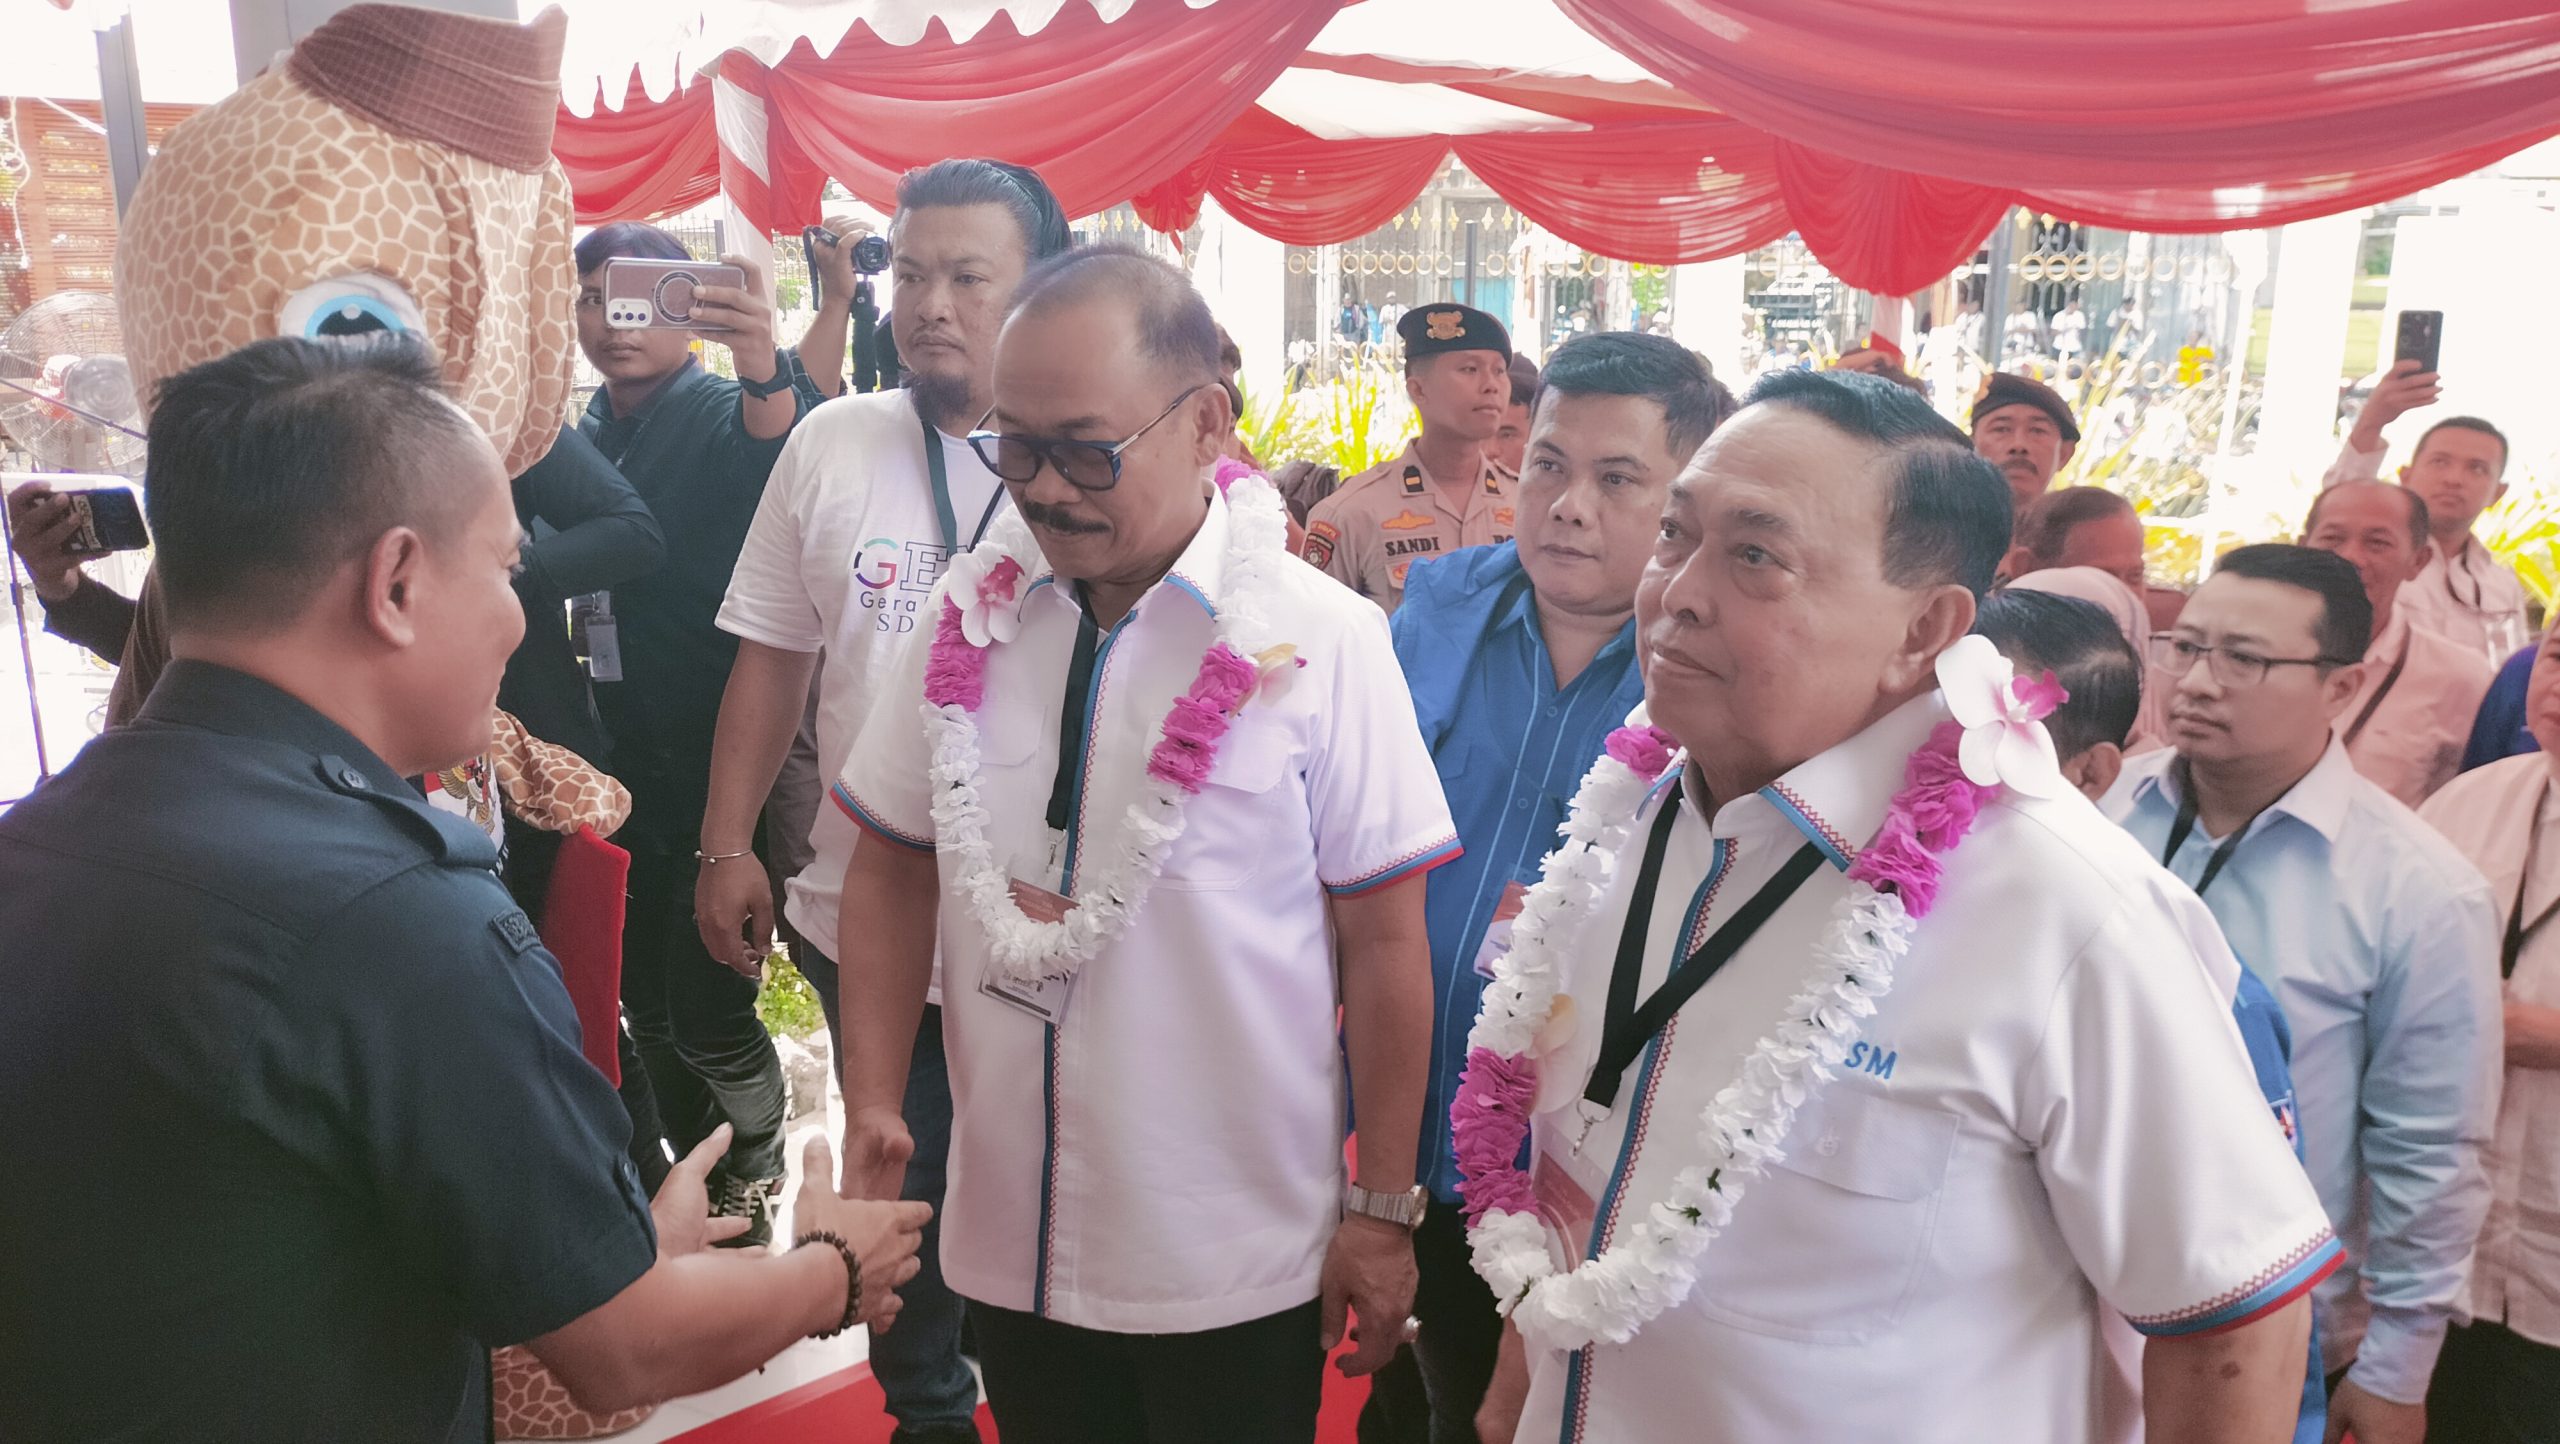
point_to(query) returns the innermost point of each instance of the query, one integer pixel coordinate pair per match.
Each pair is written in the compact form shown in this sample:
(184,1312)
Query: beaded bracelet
(852,1279)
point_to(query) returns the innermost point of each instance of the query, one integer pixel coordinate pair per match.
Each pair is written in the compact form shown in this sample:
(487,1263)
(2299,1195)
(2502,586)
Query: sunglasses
(1084,465)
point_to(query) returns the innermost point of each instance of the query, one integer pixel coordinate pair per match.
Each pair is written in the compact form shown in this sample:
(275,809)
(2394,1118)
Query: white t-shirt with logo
(843,555)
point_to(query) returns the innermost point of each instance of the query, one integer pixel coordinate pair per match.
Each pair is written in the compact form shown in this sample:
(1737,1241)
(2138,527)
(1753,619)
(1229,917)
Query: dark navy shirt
(2500,731)
(296,1124)
(1510,747)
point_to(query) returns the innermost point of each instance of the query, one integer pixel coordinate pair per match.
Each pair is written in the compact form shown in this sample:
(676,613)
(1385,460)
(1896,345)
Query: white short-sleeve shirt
(843,555)
(2049,1117)
(1169,1157)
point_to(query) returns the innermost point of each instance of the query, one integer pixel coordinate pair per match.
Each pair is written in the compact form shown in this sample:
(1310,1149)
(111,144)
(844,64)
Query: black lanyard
(2186,824)
(1625,1028)
(2373,703)
(939,472)
(2518,930)
(1071,716)
(2479,591)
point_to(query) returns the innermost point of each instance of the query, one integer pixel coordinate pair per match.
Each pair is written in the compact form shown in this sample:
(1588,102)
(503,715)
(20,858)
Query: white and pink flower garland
(1996,739)
(982,608)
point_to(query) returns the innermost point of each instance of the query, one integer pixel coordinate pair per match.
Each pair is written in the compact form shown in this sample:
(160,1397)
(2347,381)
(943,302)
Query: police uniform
(1372,530)
(312,1080)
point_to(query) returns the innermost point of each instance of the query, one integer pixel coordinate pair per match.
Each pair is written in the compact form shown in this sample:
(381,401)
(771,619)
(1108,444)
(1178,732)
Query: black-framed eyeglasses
(1084,465)
(2176,656)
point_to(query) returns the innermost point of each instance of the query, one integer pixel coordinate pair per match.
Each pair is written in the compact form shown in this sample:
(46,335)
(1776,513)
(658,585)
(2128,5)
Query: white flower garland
(1114,887)
(1743,1130)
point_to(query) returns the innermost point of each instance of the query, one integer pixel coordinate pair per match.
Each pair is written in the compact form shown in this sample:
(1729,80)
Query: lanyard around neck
(2390,680)
(2518,930)
(2186,824)
(1625,1028)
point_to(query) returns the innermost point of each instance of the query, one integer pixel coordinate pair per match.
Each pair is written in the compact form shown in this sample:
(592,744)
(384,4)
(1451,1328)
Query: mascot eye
(350,305)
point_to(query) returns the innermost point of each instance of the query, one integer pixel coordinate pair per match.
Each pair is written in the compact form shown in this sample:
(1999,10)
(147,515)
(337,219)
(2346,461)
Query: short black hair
(1630,363)
(2046,527)
(270,466)
(1174,324)
(628,240)
(2420,521)
(2345,627)
(1949,515)
(2466,423)
(1019,189)
(2085,651)
(1525,379)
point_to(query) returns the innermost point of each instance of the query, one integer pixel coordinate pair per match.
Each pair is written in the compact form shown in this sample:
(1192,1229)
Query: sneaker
(751,1199)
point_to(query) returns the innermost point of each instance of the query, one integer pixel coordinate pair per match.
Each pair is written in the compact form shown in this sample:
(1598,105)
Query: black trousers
(708,1057)
(1258,1382)
(1430,1394)
(2494,1386)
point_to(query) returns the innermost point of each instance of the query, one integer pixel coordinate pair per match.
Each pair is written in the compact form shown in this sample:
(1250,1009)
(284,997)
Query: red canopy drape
(645,159)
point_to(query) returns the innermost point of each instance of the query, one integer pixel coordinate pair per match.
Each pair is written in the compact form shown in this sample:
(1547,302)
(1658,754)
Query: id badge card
(1041,902)
(1497,936)
(1564,1206)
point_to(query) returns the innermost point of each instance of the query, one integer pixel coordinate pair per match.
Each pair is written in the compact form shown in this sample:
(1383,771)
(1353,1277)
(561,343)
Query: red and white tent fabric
(1890,133)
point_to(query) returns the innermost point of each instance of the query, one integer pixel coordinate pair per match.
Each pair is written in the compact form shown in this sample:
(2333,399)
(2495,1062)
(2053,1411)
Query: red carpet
(846,1409)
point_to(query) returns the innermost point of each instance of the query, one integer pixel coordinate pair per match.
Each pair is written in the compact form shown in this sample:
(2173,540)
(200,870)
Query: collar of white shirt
(1200,573)
(2318,801)
(1837,799)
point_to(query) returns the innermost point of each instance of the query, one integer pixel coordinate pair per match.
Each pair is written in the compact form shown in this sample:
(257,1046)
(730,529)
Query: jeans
(694,1021)
(1432,1391)
(1258,1382)
(918,1361)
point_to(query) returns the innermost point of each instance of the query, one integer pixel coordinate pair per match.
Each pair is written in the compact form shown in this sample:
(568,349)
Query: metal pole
(1471,267)
(1995,292)
(120,98)
(26,649)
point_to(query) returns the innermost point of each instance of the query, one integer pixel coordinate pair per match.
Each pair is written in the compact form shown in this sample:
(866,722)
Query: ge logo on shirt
(910,568)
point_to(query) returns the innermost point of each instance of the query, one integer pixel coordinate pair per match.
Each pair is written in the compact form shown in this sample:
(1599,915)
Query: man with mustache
(2374,933)
(2045,1120)
(2024,427)
(871,499)
(2421,691)
(1521,657)
(1152,788)
(1443,491)
(2459,468)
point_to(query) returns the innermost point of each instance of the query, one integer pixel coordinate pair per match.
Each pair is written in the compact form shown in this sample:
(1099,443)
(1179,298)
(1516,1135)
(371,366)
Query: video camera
(875,351)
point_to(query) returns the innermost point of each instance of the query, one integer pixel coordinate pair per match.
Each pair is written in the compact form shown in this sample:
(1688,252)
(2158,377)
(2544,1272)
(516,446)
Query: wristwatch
(1404,1210)
(781,382)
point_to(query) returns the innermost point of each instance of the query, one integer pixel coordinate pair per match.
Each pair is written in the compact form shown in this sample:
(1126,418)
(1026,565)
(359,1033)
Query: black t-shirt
(589,531)
(296,1123)
(689,456)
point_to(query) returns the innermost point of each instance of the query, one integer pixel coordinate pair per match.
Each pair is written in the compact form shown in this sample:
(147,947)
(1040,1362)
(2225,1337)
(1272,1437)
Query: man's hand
(42,527)
(682,1208)
(1369,1268)
(747,315)
(876,1149)
(836,279)
(733,910)
(883,1235)
(1507,1393)
(2372,1419)
(2402,390)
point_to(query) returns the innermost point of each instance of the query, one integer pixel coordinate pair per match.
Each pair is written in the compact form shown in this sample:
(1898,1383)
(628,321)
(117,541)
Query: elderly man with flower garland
(1521,657)
(1160,769)
(1869,1066)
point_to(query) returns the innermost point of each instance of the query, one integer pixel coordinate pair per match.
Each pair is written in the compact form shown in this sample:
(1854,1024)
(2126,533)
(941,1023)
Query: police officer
(310,1075)
(1443,491)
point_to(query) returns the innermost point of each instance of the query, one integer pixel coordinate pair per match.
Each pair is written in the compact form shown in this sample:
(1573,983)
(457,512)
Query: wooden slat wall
(66,209)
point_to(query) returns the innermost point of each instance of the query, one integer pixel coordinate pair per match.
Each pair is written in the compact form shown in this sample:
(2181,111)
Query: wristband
(707,858)
(781,382)
(852,1279)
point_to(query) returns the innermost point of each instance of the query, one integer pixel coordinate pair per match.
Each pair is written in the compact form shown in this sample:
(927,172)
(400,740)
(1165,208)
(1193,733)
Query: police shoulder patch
(515,930)
(1322,536)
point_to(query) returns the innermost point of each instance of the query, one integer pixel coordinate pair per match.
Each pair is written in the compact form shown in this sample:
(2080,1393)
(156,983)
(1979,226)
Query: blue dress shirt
(1510,747)
(2499,730)
(2377,938)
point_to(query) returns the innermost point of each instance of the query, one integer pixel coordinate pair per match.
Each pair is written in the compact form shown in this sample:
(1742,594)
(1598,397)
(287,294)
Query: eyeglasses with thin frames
(2175,656)
(1084,465)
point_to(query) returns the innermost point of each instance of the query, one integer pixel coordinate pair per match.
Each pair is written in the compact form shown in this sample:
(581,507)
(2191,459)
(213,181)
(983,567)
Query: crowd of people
(1820,945)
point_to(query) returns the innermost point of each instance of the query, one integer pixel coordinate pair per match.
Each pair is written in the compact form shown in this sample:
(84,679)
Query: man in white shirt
(2373,932)
(2411,717)
(1141,867)
(2459,467)
(2498,1379)
(865,508)
(2047,1118)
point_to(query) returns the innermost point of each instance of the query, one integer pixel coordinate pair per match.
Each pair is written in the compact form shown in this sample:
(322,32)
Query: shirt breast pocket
(1826,1246)
(1242,815)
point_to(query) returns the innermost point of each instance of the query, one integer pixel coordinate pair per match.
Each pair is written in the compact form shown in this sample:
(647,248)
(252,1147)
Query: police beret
(2006,389)
(1448,326)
